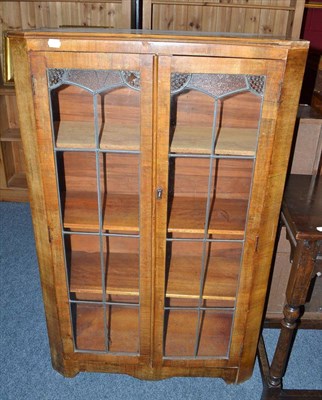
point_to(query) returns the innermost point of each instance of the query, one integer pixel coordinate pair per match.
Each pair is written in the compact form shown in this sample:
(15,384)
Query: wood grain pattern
(38,206)
(281,18)
(13,182)
(183,278)
(121,212)
(231,141)
(284,124)
(123,325)
(228,216)
(75,134)
(162,341)
(122,274)
(214,335)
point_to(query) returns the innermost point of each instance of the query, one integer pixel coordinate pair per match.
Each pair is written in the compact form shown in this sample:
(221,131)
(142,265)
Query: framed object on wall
(7,64)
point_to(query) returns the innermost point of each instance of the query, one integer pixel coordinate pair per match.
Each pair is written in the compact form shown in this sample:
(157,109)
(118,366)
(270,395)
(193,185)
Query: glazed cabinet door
(215,137)
(93,112)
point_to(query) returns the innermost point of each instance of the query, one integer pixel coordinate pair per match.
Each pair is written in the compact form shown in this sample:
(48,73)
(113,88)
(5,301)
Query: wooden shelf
(187,215)
(180,335)
(227,218)
(122,274)
(18,180)
(220,284)
(122,323)
(7,90)
(183,278)
(10,135)
(78,134)
(231,141)
(121,212)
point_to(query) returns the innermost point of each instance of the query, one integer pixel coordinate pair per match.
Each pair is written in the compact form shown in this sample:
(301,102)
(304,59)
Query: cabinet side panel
(37,201)
(288,104)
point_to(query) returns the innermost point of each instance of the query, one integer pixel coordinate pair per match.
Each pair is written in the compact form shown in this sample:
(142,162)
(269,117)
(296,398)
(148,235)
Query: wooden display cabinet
(156,166)
(13,182)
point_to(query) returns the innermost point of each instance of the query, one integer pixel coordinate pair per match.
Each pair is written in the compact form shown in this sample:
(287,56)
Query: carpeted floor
(26,371)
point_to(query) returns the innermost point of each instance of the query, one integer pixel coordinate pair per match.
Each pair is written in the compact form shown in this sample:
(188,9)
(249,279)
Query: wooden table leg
(298,285)
(281,355)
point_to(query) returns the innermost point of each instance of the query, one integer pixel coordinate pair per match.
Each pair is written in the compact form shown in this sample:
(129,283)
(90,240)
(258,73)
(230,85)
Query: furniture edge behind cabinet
(156,167)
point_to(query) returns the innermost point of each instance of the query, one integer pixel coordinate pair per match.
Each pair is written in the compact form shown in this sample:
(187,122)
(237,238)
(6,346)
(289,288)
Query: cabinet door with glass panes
(212,165)
(97,133)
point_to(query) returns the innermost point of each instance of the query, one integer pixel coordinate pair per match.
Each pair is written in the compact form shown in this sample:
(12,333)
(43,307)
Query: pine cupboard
(156,165)
(281,18)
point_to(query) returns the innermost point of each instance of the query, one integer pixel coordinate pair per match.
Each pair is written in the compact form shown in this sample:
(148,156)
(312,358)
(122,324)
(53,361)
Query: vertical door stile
(146,103)
(162,165)
(54,270)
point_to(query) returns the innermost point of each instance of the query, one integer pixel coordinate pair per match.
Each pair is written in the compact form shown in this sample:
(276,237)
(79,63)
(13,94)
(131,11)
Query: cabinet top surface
(158,36)
(302,206)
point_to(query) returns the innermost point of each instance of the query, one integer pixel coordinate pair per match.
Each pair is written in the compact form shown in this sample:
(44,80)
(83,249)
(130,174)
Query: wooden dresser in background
(41,14)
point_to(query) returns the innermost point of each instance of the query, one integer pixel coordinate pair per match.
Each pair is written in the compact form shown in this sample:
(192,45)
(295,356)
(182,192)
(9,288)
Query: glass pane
(238,122)
(118,273)
(192,119)
(120,190)
(217,202)
(88,324)
(78,190)
(213,113)
(106,328)
(123,328)
(96,132)
(119,119)
(180,333)
(91,108)
(73,117)
(209,270)
(84,268)
(214,125)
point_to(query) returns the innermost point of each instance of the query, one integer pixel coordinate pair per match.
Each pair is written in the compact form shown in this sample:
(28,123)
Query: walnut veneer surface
(122,188)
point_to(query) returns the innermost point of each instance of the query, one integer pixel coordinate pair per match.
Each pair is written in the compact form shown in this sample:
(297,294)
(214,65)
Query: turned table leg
(296,293)
(280,359)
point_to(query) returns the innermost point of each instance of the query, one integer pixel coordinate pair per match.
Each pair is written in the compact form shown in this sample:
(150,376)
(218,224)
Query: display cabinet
(156,166)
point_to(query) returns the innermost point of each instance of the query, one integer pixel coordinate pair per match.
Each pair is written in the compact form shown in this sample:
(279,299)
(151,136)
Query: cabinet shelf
(18,180)
(121,212)
(11,135)
(80,134)
(187,214)
(189,140)
(122,274)
(123,277)
(231,141)
(227,217)
(220,283)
